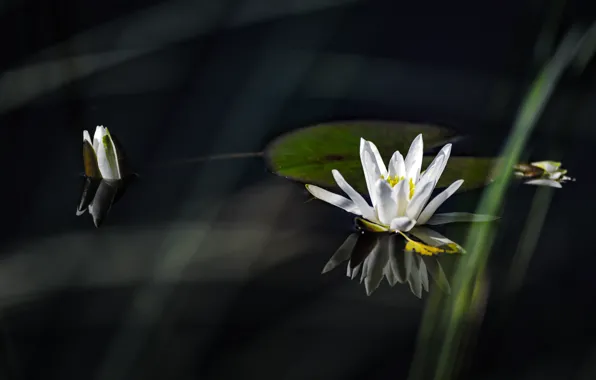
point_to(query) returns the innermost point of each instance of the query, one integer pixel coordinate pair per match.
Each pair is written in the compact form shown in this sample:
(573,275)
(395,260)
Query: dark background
(211,270)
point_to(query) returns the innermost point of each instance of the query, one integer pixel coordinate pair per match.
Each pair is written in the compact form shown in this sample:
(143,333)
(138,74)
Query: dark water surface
(211,270)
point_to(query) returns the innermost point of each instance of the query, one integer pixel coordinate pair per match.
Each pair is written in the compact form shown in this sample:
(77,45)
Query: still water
(212,269)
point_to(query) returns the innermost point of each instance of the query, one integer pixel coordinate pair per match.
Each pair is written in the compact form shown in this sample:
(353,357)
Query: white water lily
(401,193)
(543,173)
(101,155)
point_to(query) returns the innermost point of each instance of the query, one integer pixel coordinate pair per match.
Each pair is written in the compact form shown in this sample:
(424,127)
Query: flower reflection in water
(98,196)
(107,174)
(411,258)
(542,173)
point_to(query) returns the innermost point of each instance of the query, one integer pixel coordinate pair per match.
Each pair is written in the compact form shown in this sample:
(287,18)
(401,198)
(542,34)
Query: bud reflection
(98,196)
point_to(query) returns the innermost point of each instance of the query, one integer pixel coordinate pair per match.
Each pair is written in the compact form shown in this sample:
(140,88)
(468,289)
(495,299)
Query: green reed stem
(462,305)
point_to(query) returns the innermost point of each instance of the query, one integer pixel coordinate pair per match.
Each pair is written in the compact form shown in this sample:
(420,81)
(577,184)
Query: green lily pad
(476,172)
(309,154)
(339,142)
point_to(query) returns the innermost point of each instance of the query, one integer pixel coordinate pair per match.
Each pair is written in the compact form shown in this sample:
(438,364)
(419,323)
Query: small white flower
(400,194)
(543,173)
(100,155)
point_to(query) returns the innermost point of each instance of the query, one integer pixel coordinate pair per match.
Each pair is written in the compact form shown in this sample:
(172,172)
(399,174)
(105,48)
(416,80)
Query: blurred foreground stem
(450,318)
(529,237)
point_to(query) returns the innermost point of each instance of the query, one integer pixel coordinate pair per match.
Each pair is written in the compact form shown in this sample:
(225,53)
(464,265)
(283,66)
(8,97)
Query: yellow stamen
(428,250)
(394,180)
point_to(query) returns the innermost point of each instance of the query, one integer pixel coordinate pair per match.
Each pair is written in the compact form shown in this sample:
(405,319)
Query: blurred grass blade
(587,50)
(529,237)
(480,238)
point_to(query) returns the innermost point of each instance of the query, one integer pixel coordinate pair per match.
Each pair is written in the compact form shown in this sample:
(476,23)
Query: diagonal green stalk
(471,268)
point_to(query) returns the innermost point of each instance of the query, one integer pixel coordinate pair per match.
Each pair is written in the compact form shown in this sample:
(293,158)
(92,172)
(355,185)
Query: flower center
(394,180)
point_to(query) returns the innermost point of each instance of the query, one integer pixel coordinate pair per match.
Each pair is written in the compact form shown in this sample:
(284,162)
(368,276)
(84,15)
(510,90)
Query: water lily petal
(402,223)
(107,159)
(556,175)
(414,280)
(370,166)
(90,186)
(418,201)
(401,196)
(397,165)
(364,246)
(352,272)
(102,202)
(369,226)
(374,176)
(359,201)
(423,275)
(87,137)
(432,243)
(342,254)
(377,157)
(544,182)
(386,206)
(430,237)
(389,272)
(548,166)
(98,136)
(434,204)
(436,167)
(391,268)
(436,272)
(364,272)
(403,265)
(456,217)
(376,263)
(395,245)
(90,160)
(413,161)
(334,199)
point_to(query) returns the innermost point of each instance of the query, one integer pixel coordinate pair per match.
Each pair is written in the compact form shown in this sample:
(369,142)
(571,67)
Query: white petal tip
(544,182)
(327,268)
(446,150)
